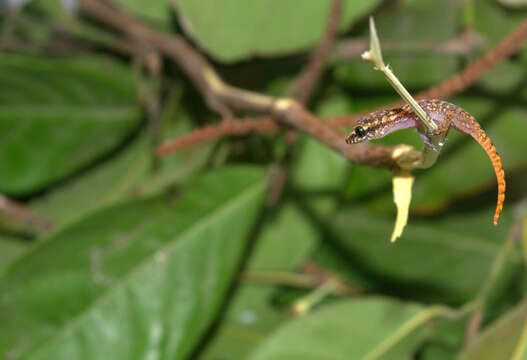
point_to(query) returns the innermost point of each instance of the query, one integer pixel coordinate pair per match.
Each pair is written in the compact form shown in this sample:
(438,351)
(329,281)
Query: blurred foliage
(59,115)
(151,258)
(233,29)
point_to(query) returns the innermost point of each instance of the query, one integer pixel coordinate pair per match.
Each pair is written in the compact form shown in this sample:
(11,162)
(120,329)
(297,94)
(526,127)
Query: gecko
(445,115)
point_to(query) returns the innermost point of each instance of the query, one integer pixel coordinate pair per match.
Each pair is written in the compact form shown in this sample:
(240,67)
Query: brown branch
(473,327)
(305,281)
(464,44)
(466,78)
(303,87)
(218,94)
(509,44)
(310,75)
(16,216)
(221,96)
(278,183)
(295,115)
(204,134)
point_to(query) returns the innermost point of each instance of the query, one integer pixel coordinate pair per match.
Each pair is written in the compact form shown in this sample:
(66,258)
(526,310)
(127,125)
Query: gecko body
(445,115)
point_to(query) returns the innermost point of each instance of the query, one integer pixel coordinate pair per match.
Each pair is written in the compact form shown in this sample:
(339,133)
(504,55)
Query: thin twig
(239,127)
(473,327)
(464,79)
(148,67)
(435,141)
(462,45)
(306,303)
(302,89)
(374,54)
(305,281)
(277,185)
(292,113)
(221,96)
(216,92)
(310,75)
(18,215)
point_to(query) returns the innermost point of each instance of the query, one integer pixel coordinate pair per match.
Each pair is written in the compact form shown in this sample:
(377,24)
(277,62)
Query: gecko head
(359,134)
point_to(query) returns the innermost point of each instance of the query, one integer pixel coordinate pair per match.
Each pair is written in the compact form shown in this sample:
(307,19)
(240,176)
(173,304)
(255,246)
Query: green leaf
(286,240)
(233,30)
(157,12)
(445,338)
(57,116)
(125,175)
(426,262)
(144,278)
(370,328)
(318,168)
(10,249)
(494,20)
(501,339)
(102,186)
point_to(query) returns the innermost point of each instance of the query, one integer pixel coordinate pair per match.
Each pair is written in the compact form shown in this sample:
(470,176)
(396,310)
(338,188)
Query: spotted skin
(445,115)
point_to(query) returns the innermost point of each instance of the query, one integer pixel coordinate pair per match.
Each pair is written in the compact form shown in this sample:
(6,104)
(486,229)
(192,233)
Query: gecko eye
(360,132)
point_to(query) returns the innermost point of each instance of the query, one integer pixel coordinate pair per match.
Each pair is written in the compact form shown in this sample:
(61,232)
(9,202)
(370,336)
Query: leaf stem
(520,350)
(305,304)
(494,274)
(307,281)
(375,56)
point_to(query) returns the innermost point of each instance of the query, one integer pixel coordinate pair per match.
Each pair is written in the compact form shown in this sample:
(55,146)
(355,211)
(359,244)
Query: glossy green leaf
(370,328)
(104,185)
(57,116)
(502,339)
(127,174)
(438,259)
(286,240)
(141,279)
(233,30)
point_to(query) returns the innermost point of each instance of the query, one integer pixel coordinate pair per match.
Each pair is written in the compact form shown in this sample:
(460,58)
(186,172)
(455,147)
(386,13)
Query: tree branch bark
(221,96)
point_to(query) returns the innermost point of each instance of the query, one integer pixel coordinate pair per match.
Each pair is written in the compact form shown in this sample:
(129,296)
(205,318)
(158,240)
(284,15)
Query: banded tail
(468,125)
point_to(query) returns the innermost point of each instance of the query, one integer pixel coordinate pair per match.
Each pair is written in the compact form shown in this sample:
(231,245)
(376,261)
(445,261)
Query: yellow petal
(402,194)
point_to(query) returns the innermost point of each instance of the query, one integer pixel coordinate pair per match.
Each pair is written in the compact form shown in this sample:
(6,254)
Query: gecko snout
(356,135)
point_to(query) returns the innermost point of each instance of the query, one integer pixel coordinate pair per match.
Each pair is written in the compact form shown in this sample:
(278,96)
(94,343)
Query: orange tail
(470,126)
